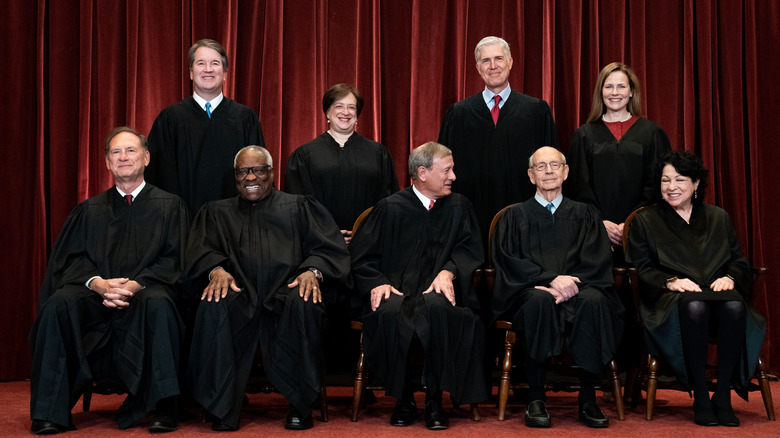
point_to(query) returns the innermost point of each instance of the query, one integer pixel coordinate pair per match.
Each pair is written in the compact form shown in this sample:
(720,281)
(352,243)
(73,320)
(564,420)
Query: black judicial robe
(104,236)
(662,245)
(264,246)
(531,247)
(491,160)
(615,175)
(345,180)
(192,154)
(403,244)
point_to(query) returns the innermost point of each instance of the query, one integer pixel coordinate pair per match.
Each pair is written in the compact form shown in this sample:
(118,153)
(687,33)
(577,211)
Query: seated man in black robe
(257,262)
(106,308)
(412,261)
(554,282)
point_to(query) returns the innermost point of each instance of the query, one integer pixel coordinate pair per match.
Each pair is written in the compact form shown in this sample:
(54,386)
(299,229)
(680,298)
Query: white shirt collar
(543,202)
(202,102)
(135,192)
(424,199)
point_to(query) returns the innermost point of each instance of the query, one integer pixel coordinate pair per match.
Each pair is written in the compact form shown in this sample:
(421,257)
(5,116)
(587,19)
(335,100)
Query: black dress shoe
(591,415)
(220,426)
(164,422)
(703,415)
(165,416)
(725,416)
(296,421)
(435,417)
(536,414)
(404,413)
(40,427)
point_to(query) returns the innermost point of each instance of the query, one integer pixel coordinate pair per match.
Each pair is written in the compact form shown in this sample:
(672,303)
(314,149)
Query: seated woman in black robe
(694,280)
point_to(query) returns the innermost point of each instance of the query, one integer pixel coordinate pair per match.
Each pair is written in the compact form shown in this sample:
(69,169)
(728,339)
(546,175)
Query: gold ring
(315,287)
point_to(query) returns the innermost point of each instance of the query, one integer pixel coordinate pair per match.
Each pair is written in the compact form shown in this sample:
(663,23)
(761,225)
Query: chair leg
(503,391)
(323,405)
(615,379)
(357,391)
(475,412)
(652,385)
(766,393)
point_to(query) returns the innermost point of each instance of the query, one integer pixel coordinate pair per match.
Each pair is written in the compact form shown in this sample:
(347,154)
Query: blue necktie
(208,109)
(550,207)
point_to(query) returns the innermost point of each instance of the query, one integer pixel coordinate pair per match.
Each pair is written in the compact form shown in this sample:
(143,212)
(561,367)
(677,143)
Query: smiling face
(677,190)
(436,182)
(343,115)
(616,92)
(253,187)
(207,73)
(494,67)
(127,158)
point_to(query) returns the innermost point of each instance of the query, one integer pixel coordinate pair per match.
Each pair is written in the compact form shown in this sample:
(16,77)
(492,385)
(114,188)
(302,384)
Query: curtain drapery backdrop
(77,68)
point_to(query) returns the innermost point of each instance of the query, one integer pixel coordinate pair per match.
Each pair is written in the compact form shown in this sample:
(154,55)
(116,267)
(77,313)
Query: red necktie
(494,111)
(129,199)
(430,206)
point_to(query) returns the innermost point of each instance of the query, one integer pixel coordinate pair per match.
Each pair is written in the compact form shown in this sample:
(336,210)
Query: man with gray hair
(495,131)
(413,259)
(554,282)
(260,263)
(193,141)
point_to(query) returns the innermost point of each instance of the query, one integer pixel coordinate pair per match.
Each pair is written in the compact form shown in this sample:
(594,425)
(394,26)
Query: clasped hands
(116,292)
(687,285)
(562,288)
(221,281)
(442,284)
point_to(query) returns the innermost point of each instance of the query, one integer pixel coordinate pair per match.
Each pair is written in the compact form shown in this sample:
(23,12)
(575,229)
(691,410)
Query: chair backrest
(493,224)
(627,224)
(360,218)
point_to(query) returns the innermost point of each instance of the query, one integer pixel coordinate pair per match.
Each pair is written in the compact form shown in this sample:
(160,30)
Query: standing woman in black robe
(693,279)
(611,154)
(347,173)
(344,171)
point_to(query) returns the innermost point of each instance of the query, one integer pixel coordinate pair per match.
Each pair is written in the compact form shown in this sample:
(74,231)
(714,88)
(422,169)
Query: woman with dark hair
(341,169)
(694,282)
(611,154)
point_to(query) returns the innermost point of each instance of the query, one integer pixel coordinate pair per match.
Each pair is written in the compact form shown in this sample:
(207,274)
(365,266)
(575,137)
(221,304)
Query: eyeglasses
(541,167)
(243,172)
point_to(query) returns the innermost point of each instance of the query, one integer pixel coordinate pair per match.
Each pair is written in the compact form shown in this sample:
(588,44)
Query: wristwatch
(317,273)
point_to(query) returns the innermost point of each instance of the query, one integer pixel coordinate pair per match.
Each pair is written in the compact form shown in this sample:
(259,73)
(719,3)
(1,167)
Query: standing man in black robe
(413,260)
(194,141)
(494,140)
(554,282)
(105,304)
(260,263)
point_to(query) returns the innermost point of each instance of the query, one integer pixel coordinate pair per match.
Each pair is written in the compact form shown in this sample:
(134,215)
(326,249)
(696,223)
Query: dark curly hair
(686,164)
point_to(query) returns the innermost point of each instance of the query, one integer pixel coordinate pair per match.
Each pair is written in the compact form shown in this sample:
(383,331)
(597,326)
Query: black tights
(728,318)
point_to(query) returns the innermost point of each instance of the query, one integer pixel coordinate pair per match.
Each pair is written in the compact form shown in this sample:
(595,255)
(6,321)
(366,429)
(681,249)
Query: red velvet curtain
(77,68)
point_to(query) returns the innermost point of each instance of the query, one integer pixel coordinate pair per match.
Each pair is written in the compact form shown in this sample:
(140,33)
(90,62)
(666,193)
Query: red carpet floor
(265,415)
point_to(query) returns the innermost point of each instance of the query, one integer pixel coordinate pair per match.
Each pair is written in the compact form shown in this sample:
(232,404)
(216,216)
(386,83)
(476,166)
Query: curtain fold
(80,67)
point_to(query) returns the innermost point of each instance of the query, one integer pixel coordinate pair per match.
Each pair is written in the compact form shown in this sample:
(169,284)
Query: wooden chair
(647,376)
(510,338)
(361,376)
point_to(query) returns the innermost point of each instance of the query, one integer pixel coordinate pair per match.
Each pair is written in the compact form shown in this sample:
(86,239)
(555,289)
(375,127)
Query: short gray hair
(260,149)
(490,41)
(424,155)
(531,158)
